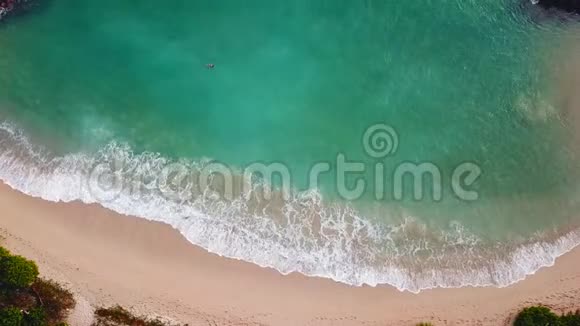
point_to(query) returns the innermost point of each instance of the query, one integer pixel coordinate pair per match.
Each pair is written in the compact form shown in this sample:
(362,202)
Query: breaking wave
(304,233)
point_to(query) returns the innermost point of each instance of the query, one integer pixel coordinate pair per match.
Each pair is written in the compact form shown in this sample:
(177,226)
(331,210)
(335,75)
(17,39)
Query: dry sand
(107,259)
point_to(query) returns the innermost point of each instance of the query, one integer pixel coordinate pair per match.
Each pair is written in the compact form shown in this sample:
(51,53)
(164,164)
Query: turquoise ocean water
(87,84)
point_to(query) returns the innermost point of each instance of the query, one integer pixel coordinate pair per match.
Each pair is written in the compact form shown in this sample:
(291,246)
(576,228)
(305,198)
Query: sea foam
(305,234)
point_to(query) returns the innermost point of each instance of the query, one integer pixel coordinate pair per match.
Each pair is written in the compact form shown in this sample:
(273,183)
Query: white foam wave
(305,234)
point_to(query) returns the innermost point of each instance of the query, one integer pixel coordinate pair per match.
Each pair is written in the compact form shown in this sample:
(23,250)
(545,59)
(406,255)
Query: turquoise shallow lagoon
(86,84)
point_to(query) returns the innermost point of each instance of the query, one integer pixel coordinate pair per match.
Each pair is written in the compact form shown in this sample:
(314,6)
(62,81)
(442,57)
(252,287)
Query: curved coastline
(233,271)
(110,259)
(31,170)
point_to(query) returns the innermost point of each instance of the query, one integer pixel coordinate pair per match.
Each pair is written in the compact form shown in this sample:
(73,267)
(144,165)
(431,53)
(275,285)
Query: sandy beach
(107,259)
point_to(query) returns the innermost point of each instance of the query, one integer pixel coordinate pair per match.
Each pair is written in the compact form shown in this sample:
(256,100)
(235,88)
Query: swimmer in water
(210,66)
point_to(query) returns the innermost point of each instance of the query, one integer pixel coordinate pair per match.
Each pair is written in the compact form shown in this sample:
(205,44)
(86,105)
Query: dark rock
(11,7)
(570,6)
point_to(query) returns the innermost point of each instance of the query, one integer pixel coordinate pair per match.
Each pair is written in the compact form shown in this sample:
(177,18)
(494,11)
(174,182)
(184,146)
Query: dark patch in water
(15,7)
(570,6)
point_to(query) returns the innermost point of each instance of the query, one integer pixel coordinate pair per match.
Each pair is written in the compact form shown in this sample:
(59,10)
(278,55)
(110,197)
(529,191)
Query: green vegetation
(17,271)
(118,316)
(571,319)
(25,299)
(4,253)
(424,324)
(537,316)
(543,316)
(35,317)
(10,317)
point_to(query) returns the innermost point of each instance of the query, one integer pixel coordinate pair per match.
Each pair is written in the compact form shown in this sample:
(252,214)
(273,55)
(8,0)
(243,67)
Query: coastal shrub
(571,319)
(537,316)
(10,317)
(119,316)
(17,298)
(542,316)
(35,317)
(25,299)
(4,253)
(55,300)
(17,271)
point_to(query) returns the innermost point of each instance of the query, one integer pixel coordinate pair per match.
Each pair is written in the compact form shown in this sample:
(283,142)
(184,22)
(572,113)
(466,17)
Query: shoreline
(64,179)
(108,259)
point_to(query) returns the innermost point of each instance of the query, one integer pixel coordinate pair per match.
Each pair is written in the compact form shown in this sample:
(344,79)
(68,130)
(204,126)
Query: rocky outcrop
(9,7)
(571,6)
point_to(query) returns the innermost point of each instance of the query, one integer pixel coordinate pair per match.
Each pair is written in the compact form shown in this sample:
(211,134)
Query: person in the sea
(210,66)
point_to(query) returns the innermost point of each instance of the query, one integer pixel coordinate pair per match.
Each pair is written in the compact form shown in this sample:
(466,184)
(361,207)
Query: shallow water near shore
(85,84)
